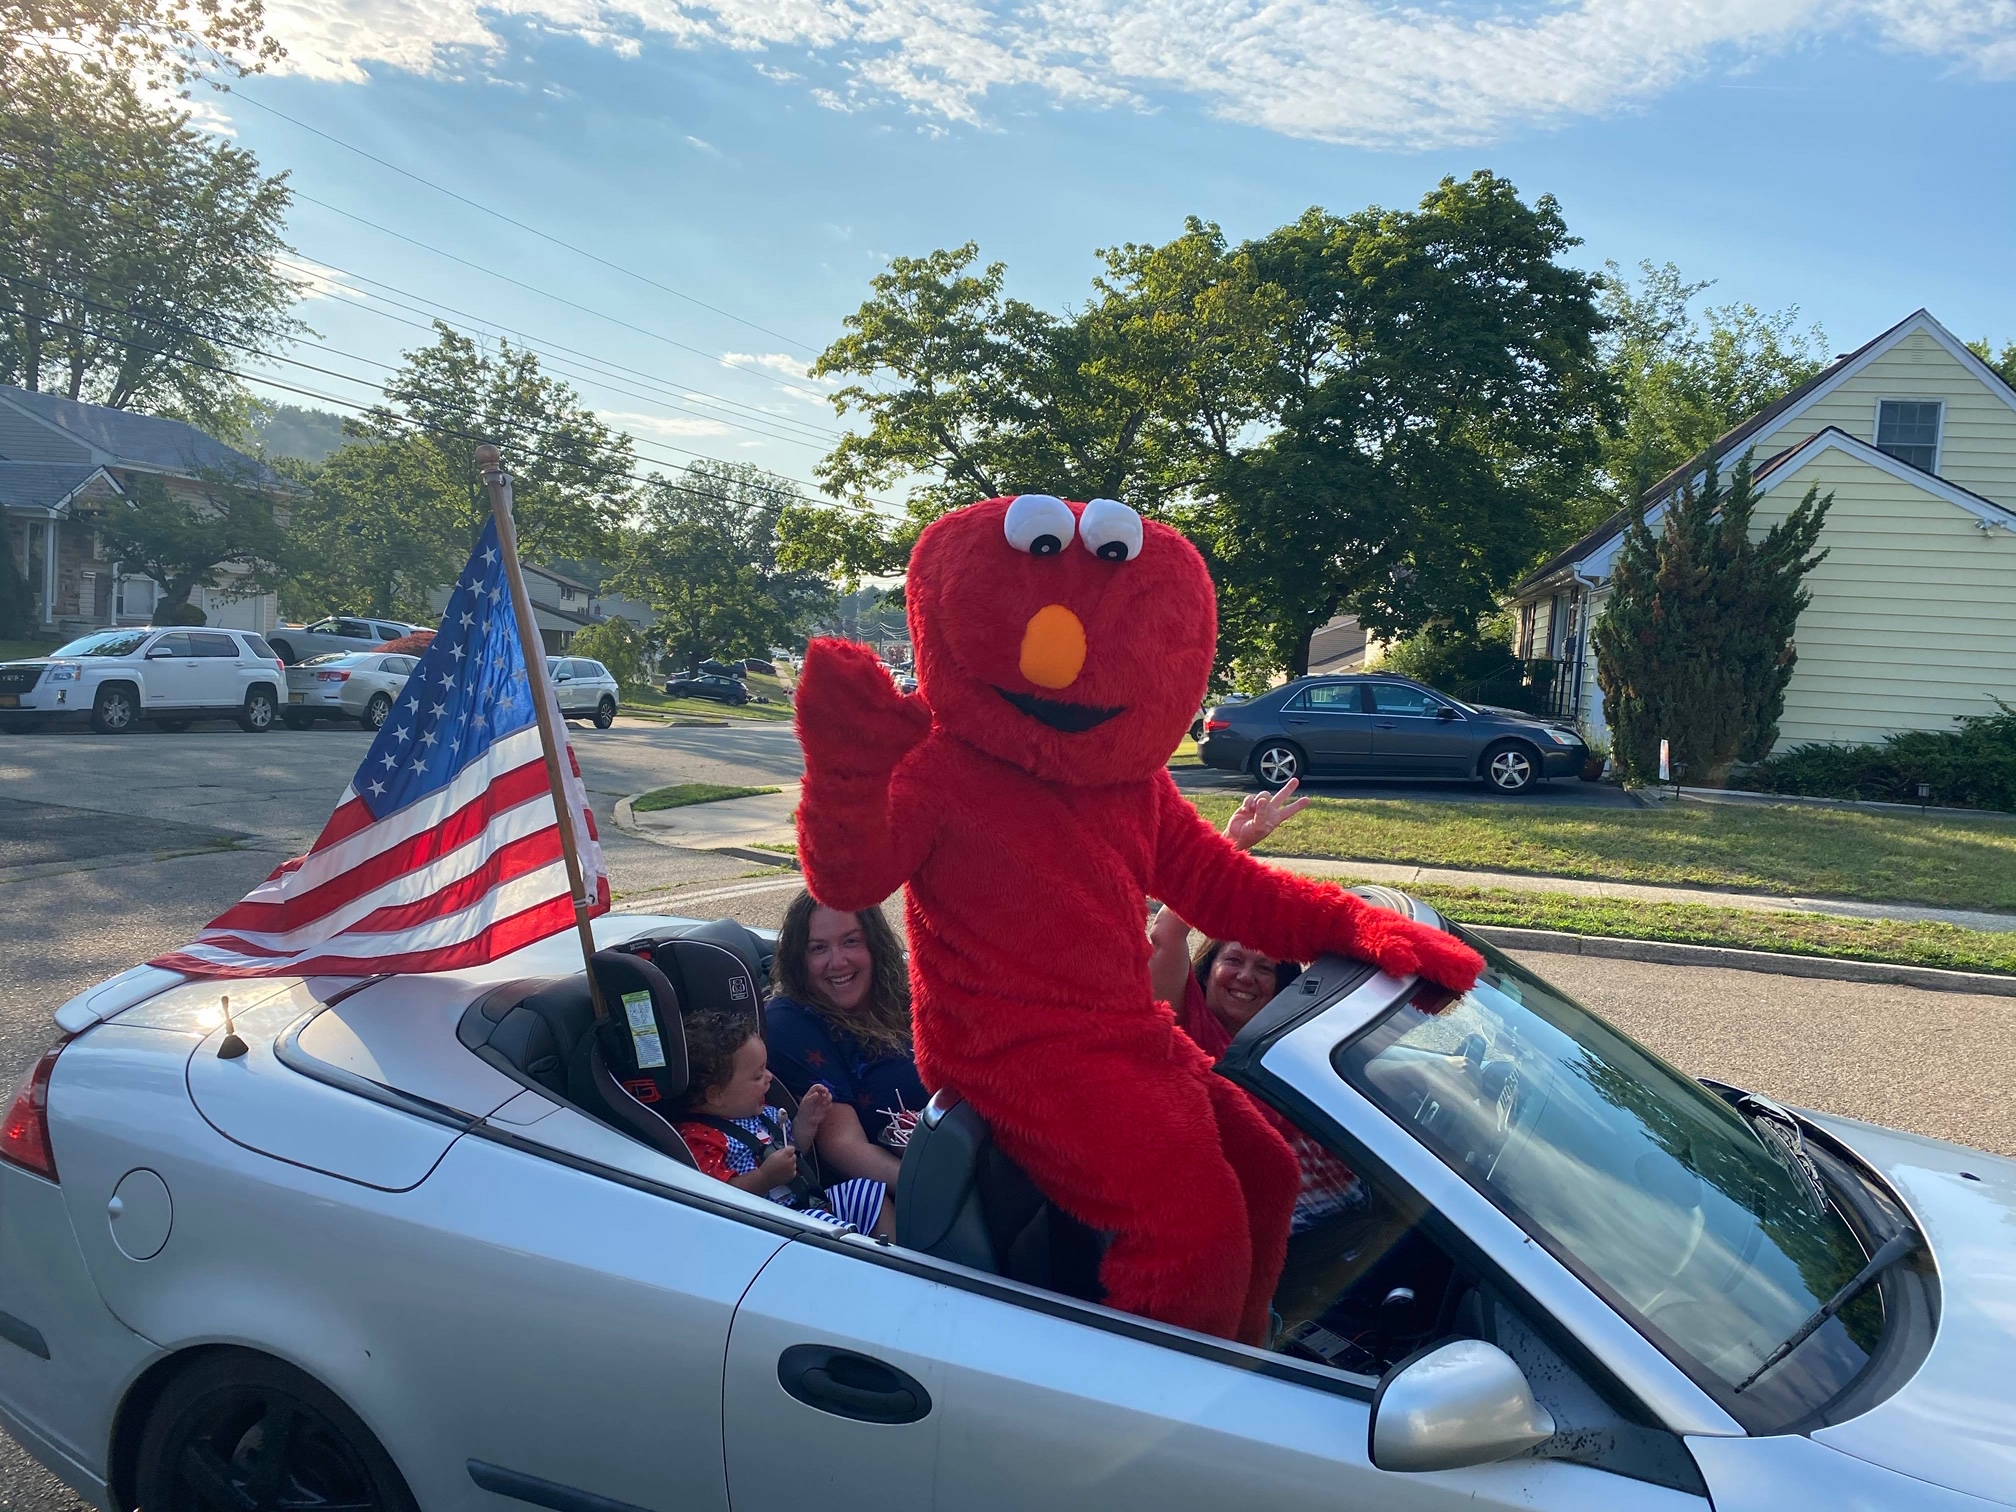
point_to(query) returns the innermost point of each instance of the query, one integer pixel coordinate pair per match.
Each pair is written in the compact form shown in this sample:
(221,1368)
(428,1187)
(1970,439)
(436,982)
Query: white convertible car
(406,1242)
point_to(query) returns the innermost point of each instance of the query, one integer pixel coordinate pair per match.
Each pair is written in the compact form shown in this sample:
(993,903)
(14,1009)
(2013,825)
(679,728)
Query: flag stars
(490,556)
(402,734)
(495,593)
(457,652)
(377,789)
(447,679)
(440,709)
(419,763)
(428,737)
(468,620)
(391,761)
(413,704)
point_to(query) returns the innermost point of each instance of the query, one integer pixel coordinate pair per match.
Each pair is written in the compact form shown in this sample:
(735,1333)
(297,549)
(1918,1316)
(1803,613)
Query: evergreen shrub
(1971,766)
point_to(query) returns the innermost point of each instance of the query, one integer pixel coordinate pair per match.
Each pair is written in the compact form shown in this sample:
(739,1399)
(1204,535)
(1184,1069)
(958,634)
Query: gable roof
(44,485)
(1730,442)
(1780,467)
(120,438)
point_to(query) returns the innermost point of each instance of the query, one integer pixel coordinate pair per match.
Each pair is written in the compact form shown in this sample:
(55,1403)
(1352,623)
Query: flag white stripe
(528,818)
(513,897)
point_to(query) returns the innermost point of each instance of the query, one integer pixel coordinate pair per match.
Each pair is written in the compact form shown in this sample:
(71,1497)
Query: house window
(1908,429)
(566,594)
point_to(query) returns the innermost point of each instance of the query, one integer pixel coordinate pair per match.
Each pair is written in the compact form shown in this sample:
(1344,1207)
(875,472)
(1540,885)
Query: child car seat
(633,1064)
(959,1198)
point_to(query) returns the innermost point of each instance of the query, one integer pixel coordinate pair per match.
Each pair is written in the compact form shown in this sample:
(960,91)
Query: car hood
(1954,1422)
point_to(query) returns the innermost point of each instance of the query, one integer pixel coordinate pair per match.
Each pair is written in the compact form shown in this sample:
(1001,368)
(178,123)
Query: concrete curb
(1825,968)
(1652,797)
(625,817)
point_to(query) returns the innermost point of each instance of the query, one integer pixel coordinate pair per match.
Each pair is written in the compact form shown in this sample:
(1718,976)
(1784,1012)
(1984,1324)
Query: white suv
(169,676)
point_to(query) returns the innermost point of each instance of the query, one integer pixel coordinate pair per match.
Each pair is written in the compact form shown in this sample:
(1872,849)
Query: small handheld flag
(447,850)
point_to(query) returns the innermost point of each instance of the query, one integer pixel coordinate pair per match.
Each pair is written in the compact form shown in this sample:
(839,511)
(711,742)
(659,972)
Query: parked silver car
(586,689)
(359,685)
(170,677)
(416,1246)
(336,633)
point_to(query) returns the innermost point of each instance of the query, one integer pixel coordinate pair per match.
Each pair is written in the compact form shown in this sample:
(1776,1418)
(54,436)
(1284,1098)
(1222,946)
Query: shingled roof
(42,485)
(122,438)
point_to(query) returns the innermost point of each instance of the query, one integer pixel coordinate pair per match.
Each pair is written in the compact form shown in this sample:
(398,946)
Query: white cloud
(781,363)
(663,425)
(1417,73)
(313,281)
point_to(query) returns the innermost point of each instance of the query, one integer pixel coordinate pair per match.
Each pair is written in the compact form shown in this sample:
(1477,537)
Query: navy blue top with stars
(469,691)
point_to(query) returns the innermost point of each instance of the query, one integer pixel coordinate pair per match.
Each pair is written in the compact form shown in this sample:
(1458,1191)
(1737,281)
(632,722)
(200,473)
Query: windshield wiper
(1791,1138)
(1893,1250)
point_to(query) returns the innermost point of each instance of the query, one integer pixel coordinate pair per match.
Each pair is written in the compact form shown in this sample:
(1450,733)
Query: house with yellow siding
(1913,613)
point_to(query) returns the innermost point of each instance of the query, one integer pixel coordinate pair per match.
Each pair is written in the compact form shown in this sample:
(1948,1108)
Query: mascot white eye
(1110,530)
(1041,524)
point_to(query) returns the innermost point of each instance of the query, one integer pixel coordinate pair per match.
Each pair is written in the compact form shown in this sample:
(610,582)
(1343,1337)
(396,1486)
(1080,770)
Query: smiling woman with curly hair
(841,1018)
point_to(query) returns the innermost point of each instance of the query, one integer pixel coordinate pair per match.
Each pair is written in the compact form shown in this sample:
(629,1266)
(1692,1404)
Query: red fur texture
(1027,852)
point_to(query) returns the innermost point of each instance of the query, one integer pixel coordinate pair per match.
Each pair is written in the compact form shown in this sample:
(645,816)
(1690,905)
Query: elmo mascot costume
(1023,795)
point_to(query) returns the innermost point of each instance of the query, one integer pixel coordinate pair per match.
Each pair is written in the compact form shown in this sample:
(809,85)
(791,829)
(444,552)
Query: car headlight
(1564,737)
(63,674)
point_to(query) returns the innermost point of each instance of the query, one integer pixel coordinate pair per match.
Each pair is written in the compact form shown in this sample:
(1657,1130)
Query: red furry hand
(1405,948)
(851,719)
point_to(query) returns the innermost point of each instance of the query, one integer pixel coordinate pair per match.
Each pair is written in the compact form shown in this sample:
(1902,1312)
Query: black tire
(173,726)
(296,719)
(239,1432)
(256,718)
(1277,762)
(605,713)
(115,710)
(282,649)
(376,712)
(1511,767)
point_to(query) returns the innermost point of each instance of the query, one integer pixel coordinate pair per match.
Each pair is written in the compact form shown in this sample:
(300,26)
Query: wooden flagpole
(498,482)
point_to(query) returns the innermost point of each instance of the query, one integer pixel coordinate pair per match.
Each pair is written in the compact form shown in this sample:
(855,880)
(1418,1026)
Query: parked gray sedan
(336,633)
(1382,726)
(586,689)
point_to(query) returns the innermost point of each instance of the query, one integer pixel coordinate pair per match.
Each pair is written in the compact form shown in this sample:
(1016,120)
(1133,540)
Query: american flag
(445,851)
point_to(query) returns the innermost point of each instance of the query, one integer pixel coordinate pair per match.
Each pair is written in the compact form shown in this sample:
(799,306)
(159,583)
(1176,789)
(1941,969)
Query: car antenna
(233,1046)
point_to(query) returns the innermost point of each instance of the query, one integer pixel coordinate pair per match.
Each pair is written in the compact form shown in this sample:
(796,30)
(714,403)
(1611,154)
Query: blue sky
(1852,157)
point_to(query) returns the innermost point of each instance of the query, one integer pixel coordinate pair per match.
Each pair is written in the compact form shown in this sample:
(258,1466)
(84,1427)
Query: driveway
(1567,792)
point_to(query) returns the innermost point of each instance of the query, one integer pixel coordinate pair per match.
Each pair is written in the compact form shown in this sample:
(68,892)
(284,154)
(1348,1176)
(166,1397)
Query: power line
(521,225)
(520,283)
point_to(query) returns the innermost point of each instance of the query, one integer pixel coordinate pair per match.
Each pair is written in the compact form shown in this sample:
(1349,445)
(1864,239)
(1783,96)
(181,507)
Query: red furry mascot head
(1073,640)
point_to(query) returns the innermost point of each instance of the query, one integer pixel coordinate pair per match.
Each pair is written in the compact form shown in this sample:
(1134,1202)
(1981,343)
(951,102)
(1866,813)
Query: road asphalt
(116,848)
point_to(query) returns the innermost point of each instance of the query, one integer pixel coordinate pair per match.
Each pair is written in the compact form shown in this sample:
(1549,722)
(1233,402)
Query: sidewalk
(732,824)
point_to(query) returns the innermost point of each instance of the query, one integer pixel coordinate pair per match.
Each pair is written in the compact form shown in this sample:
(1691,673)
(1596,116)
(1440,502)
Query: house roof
(42,485)
(562,579)
(1732,440)
(122,438)
(1833,438)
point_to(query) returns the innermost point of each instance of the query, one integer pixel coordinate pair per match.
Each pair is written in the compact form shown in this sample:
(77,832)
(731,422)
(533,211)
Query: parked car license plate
(9,701)
(297,698)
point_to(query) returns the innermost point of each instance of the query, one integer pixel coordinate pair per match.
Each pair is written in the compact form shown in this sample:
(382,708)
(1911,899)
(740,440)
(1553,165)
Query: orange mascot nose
(1053,647)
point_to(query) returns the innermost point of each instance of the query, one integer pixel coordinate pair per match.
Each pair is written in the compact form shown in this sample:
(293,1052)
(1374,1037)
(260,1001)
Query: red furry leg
(1128,1143)
(1270,1177)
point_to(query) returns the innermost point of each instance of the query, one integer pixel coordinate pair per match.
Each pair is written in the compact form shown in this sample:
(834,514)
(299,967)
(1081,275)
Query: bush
(1461,662)
(619,646)
(17,599)
(1973,766)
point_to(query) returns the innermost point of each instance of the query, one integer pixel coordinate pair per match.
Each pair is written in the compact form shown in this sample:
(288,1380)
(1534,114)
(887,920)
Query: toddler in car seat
(738,1136)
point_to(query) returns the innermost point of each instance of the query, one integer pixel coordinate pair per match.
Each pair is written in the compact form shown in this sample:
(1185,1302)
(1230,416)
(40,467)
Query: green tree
(1685,378)
(183,537)
(703,554)
(160,41)
(137,254)
(2004,362)
(1696,644)
(377,528)
(621,647)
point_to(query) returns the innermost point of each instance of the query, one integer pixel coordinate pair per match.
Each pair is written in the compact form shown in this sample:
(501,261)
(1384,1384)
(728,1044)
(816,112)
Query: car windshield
(104,643)
(1706,1231)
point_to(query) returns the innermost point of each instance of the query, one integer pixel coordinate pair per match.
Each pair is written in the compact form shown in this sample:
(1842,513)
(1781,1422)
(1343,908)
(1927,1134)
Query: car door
(562,671)
(1017,1399)
(172,676)
(221,680)
(1328,720)
(1416,734)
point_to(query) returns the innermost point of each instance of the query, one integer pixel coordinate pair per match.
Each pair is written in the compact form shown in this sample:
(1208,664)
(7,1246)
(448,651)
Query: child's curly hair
(712,1037)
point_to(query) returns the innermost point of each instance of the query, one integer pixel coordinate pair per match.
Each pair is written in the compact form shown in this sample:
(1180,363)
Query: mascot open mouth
(1071,718)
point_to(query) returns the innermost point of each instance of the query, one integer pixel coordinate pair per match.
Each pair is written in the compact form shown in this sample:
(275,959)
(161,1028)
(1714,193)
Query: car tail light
(24,1137)
(332,677)
(1216,724)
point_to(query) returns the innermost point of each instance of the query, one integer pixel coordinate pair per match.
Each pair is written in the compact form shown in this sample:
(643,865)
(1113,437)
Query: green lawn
(1842,853)
(683,794)
(1917,944)
(1185,754)
(13,650)
(651,701)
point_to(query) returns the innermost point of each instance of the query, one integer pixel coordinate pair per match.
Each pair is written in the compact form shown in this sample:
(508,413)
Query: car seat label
(644,1030)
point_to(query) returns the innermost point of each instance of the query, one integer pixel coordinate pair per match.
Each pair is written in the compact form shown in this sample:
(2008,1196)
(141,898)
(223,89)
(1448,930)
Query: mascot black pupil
(1045,545)
(1114,551)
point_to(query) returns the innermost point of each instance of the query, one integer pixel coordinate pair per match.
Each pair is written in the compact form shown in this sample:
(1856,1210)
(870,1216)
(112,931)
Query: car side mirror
(160,653)
(1463,1403)
(1445,712)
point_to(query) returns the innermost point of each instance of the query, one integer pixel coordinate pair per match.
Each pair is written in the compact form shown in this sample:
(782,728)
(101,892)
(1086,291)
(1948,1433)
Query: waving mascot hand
(1023,795)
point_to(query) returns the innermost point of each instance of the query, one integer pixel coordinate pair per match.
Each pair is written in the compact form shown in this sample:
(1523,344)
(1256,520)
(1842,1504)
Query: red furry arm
(856,843)
(1230,896)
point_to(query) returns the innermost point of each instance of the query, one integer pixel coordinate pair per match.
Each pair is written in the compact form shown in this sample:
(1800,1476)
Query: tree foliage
(1372,413)
(621,647)
(1696,644)
(137,254)
(183,536)
(2003,362)
(703,553)
(160,41)
(380,525)
(1684,378)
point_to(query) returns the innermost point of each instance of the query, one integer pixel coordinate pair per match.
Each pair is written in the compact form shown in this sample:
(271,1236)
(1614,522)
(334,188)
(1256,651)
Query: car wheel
(113,711)
(244,1432)
(283,649)
(173,726)
(1277,763)
(257,716)
(376,712)
(1511,767)
(605,713)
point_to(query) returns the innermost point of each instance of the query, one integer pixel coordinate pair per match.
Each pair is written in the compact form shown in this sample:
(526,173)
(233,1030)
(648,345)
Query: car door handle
(1384,725)
(851,1385)
(1295,721)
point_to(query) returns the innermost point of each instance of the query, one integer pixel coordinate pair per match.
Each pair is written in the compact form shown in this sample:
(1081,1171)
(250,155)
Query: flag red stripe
(507,791)
(350,817)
